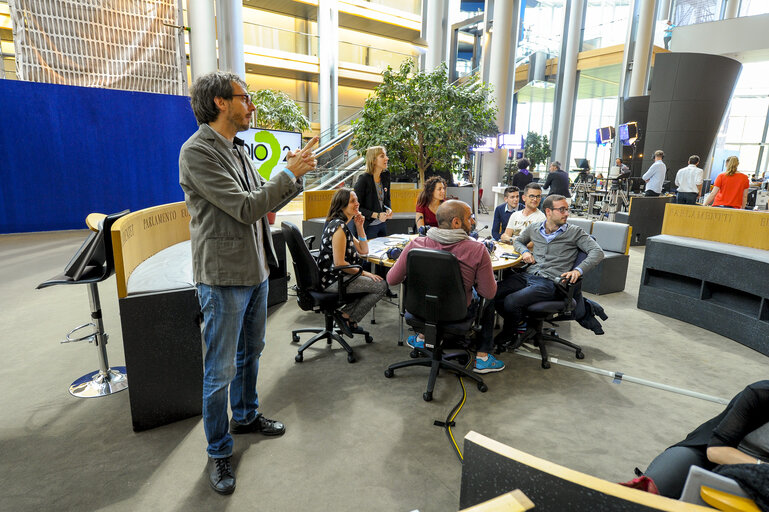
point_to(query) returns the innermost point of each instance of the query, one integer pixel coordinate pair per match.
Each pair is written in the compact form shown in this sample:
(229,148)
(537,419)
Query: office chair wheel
(482,387)
(414,354)
(427,396)
(294,338)
(350,358)
(369,339)
(299,358)
(580,354)
(545,364)
(389,373)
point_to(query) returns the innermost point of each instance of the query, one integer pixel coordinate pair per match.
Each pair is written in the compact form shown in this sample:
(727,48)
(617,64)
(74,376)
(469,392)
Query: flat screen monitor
(582,163)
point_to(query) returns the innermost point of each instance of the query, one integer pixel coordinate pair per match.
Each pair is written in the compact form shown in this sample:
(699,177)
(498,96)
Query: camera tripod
(616,200)
(582,188)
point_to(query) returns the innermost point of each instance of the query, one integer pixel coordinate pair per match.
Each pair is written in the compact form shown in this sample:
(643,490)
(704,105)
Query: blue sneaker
(413,341)
(491,364)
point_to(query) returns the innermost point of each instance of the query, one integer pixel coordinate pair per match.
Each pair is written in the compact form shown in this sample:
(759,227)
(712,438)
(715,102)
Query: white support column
(229,25)
(569,82)
(437,17)
(328,53)
(664,10)
(732,9)
(504,38)
(200,17)
(643,49)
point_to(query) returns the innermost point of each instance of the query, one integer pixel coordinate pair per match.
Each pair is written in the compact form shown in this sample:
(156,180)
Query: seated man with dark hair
(555,249)
(452,234)
(503,212)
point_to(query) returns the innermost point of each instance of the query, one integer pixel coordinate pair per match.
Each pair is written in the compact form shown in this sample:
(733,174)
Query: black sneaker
(260,424)
(220,475)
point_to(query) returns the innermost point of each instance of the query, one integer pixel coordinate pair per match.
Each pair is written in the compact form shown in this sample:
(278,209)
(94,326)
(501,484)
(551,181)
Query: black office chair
(311,297)
(551,311)
(92,263)
(436,305)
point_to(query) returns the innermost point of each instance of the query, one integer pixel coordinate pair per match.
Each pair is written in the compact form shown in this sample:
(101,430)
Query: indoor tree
(423,121)
(276,111)
(536,148)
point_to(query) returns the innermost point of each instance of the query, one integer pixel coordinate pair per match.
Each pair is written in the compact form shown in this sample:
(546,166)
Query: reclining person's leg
(539,289)
(670,468)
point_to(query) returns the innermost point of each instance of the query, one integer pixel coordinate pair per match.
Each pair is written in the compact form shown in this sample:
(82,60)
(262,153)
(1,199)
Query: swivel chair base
(329,334)
(436,362)
(98,383)
(540,335)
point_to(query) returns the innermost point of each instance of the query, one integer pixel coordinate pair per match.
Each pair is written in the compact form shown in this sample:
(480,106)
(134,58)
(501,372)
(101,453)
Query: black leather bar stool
(92,263)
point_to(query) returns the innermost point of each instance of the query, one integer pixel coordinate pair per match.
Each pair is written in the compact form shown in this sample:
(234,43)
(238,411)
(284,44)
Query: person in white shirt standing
(689,182)
(519,220)
(655,175)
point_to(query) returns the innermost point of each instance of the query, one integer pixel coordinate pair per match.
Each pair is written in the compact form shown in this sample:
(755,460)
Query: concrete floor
(355,440)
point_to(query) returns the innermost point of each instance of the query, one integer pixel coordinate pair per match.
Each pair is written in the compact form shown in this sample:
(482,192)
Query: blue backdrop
(68,151)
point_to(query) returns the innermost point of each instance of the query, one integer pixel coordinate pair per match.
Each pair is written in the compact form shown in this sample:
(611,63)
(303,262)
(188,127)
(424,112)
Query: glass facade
(744,129)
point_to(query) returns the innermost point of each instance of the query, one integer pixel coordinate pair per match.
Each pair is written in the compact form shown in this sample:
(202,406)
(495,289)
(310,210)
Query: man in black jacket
(558,181)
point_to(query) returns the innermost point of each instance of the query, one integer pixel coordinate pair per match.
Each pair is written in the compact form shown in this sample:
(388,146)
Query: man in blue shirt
(503,212)
(555,248)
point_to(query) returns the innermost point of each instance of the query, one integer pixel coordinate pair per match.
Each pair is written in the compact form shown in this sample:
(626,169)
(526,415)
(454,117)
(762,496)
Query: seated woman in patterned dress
(339,247)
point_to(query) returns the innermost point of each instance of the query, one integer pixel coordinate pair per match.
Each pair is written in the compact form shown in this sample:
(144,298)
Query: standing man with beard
(231,248)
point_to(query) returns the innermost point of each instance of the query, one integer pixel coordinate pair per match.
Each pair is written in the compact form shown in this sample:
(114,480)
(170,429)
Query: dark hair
(550,199)
(510,190)
(338,203)
(694,160)
(448,211)
(535,186)
(216,84)
(523,163)
(427,193)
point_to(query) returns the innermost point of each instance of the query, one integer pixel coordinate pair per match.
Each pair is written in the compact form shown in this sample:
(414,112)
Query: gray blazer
(224,214)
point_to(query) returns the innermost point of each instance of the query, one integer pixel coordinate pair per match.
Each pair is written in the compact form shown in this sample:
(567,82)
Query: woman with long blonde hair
(373,191)
(731,187)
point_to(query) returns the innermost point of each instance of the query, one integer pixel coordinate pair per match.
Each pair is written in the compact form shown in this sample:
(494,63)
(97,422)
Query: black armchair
(436,304)
(311,297)
(92,263)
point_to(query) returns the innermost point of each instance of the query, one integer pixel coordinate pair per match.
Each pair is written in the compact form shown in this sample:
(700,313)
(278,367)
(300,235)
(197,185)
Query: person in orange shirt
(731,187)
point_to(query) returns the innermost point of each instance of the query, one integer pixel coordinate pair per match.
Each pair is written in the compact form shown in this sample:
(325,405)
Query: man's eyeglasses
(247,97)
(535,197)
(562,209)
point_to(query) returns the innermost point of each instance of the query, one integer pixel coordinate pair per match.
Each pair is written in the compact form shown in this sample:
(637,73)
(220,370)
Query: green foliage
(423,121)
(536,148)
(276,111)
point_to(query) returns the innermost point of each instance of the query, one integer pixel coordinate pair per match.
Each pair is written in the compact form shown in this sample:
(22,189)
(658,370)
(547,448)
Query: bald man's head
(454,209)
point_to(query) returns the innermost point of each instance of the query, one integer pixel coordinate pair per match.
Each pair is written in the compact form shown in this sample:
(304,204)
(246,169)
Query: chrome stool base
(96,383)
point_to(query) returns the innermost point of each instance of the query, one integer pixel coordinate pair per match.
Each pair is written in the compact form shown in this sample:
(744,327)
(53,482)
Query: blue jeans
(527,289)
(234,322)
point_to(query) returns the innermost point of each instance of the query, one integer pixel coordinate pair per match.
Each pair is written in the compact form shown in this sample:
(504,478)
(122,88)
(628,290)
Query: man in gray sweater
(555,245)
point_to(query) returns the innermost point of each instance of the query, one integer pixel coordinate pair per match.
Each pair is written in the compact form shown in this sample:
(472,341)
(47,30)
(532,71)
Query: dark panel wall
(69,151)
(635,109)
(689,96)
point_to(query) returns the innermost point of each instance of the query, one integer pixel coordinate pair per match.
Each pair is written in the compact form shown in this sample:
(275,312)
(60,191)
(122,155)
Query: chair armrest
(482,305)
(568,290)
(309,240)
(342,282)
